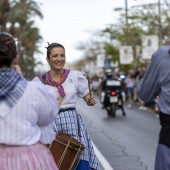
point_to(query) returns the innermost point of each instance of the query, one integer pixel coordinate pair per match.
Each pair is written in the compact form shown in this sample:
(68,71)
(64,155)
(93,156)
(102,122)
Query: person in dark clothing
(155,83)
(104,88)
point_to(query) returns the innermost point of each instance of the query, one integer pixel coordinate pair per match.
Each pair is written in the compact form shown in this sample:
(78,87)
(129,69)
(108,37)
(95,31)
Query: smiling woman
(66,86)
(56,58)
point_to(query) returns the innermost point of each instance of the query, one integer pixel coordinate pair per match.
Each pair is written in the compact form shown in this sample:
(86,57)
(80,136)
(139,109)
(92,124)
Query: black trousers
(164,135)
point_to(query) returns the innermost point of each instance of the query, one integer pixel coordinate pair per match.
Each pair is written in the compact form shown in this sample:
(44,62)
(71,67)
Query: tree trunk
(4,14)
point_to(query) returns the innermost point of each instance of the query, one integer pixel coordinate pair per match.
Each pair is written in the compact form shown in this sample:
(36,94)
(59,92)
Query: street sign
(100,60)
(149,45)
(126,54)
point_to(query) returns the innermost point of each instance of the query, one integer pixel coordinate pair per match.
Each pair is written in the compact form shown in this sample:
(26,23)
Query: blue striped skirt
(83,165)
(66,122)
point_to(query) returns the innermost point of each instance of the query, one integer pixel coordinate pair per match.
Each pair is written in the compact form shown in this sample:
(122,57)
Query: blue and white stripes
(66,122)
(12,86)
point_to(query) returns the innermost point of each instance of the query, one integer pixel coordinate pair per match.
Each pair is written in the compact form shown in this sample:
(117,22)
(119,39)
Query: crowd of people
(129,82)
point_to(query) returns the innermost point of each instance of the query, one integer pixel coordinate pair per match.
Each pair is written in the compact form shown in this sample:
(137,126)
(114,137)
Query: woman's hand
(17,68)
(90,100)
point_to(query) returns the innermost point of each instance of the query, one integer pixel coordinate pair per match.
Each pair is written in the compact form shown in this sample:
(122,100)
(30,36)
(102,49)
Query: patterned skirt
(67,122)
(34,157)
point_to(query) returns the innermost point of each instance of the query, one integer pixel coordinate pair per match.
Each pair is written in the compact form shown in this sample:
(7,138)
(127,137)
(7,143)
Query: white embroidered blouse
(75,85)
(31,120)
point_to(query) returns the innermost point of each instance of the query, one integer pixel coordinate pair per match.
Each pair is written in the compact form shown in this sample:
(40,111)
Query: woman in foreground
(66,86)
(27,113)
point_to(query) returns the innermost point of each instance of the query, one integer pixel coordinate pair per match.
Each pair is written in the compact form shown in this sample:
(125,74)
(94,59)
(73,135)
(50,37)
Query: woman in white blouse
(66,86)
(27,113)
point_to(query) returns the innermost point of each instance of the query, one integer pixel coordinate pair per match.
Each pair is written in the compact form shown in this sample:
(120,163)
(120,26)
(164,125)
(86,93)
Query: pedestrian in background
(130,88)
(27,113)
(66,86)
(95,85)
(156,82)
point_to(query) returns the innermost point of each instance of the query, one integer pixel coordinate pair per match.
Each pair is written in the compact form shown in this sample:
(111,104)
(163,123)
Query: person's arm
(83,90)
(148,86)
(89,100)
(47,109)
(17,68)
(15,65)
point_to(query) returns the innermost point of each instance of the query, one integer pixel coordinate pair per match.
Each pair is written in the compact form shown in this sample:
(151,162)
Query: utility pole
(126,11)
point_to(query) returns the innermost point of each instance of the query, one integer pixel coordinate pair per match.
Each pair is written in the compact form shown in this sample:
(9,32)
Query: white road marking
(102,159)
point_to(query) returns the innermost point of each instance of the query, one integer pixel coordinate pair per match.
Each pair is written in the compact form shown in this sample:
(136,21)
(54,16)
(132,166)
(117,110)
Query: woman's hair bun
(7,46)
(4,51)
(8,50)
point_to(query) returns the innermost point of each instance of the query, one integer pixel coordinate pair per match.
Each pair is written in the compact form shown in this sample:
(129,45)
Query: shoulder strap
(75,76)
(43,80)
(78,121)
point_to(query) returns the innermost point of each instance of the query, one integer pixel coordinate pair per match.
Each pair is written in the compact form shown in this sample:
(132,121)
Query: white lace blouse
(75,85)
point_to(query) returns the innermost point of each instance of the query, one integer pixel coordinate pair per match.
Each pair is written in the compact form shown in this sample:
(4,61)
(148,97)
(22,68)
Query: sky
(71,21)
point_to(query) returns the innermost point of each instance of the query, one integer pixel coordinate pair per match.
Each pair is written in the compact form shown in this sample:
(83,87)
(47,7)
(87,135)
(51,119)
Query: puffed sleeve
(82,85)
(36,79)
(47,108)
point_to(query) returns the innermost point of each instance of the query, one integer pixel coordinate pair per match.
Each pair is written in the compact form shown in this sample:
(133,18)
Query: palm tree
(22,26)
(24,11)
(4,10)
(31,44)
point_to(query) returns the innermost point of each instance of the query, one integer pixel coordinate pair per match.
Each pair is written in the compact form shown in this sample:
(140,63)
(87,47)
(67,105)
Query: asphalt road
(126,142)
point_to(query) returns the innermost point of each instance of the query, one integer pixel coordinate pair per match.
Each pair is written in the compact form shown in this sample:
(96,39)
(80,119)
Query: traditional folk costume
(156,82)
(26,122)
(72,85)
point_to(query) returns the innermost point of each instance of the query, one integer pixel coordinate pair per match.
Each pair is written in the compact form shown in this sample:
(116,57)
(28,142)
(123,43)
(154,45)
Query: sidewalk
(142,107)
